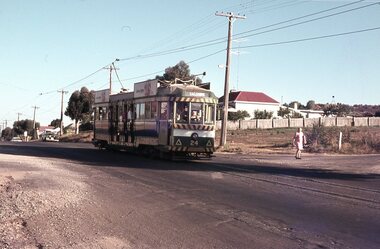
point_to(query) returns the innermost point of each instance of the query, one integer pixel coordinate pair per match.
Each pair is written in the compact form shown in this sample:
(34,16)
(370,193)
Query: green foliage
(283,112)
(7,134)
(263,114)
(88,126)
(310,105)
(180,71)
(19,127)
(56,123)
(80,105)
(299,105)
(338,110)
(239,115)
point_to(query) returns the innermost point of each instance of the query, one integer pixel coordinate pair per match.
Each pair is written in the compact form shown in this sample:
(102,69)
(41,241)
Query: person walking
(299,140)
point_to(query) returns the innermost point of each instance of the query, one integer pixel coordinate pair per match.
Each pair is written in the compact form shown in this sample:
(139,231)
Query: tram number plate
(193,143)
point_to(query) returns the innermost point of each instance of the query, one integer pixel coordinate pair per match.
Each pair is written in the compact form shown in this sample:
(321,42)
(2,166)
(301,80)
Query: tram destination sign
(102,96)
(146,88)
(195,94)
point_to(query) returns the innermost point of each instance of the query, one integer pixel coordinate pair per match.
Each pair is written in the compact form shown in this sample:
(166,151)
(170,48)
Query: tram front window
(196,116)
(182,114)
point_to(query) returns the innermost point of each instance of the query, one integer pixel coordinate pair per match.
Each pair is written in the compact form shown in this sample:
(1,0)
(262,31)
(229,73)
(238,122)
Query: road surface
(62,195)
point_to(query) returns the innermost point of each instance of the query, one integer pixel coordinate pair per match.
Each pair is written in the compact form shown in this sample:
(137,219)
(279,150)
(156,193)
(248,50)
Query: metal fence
(300,122)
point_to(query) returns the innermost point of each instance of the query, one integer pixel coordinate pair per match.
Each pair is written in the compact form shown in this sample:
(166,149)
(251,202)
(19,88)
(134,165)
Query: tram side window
(102,113)
(209,113)
(163,110)
(147,110)
(196,115)
(153,114)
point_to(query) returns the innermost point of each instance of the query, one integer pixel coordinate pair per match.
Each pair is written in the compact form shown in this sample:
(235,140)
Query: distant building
(306,113)
(250,102)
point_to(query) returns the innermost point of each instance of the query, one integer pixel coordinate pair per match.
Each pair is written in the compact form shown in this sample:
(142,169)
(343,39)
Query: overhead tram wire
(239,35)
(269,44)
(277,6)
(307,21)
(189,31)
(313,38)
(161,71)
(301,17)
(117,75)
(75,82)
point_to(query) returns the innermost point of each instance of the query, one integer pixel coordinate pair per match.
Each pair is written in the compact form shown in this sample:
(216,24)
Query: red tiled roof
(249,97)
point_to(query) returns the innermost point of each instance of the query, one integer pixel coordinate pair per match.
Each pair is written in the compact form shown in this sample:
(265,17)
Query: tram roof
(178,90)
(185,90)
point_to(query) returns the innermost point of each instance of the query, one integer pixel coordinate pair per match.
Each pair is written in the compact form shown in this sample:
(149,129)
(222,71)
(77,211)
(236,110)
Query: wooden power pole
(231,19)
(61,121)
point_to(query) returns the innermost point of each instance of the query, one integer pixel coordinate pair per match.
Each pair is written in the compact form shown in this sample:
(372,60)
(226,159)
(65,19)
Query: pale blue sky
(49,45)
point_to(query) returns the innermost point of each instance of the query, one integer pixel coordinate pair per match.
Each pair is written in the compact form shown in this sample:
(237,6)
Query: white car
(50,136)
(16,139)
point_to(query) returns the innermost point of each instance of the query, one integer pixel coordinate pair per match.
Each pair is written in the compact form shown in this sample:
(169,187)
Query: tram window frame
(153,110)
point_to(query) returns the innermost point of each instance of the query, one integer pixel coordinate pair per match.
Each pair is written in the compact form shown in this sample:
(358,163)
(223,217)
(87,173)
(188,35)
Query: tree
(19,127)
(339,110)
(56,123)
(310,105)
(283,112)
(180,71)
(263,114)
(7,134)
(239,115)
(79,106)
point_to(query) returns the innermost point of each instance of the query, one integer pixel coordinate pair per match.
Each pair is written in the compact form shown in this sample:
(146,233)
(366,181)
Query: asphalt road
(86,198)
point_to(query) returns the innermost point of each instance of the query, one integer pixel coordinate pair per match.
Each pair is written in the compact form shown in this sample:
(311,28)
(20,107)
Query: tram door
(114,123)
(163,136)
(128,123)
(111,117)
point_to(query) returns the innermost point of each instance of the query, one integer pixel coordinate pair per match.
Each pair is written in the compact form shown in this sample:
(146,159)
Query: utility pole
(111,67)
(231,19)
(34,122)
(18,116)
(61,123)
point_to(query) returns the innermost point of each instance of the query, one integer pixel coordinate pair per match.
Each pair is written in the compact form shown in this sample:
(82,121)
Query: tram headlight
(194,136)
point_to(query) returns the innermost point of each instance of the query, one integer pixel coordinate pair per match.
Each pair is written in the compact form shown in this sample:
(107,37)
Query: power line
(307,21)
(312,38)
(301,17)
(239,35)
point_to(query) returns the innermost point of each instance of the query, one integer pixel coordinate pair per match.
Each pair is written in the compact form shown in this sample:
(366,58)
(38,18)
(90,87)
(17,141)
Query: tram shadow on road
(86,155)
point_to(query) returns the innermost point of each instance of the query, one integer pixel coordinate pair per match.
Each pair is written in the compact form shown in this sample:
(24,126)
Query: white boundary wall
(299,122)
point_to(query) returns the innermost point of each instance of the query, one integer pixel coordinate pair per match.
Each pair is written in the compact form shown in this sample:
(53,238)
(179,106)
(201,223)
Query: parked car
(50,136)
(16,139)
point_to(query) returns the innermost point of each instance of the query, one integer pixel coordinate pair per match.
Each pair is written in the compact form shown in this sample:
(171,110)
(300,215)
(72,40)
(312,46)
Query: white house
(306,113)
(250,102)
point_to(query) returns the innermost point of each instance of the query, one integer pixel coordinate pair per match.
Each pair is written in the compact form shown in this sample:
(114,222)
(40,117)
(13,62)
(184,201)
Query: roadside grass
(355,140)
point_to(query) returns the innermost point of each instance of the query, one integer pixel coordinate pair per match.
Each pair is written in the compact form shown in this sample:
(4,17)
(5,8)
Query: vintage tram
(158,118)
